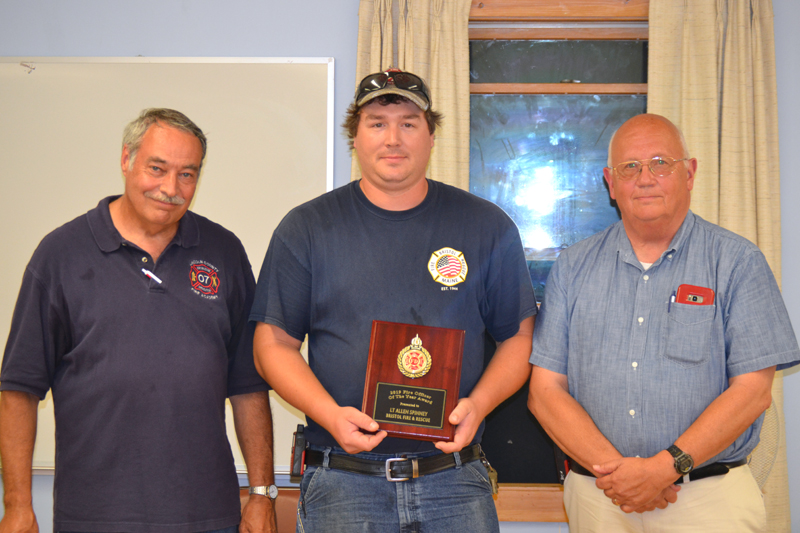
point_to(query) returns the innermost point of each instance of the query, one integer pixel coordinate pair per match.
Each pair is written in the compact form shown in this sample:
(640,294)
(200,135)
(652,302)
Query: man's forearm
(727,417)
(279,361)
(18,413)
(507,372)
(567,423)
(252,418)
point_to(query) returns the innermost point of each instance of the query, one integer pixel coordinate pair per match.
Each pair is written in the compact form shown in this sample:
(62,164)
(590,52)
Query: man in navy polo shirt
(655,351)
(135,315)
(395,247)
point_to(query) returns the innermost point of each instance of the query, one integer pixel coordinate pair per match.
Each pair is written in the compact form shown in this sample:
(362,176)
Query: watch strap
(270,491)
(674,451)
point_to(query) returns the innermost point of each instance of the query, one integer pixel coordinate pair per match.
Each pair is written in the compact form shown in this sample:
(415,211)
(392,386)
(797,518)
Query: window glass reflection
(541,158)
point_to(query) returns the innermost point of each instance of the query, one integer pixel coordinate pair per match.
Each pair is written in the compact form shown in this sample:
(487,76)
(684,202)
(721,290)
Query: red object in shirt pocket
(694,295)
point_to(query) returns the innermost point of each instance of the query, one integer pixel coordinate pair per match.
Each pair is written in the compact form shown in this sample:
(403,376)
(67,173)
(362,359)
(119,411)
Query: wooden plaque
(413,379)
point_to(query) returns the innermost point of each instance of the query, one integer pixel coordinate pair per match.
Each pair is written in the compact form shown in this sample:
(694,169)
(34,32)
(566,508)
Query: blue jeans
(458,499)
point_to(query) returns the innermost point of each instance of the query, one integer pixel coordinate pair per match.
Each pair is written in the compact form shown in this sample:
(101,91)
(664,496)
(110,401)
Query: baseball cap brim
(391,89)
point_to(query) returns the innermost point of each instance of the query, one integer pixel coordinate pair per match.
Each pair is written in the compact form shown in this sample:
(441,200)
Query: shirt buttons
(634,364)
(631,412)
(669,256)
(144,260)
(640,320)
(645,277)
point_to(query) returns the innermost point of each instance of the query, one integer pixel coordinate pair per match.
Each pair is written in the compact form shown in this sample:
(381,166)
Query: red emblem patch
(414,360)
(204,279)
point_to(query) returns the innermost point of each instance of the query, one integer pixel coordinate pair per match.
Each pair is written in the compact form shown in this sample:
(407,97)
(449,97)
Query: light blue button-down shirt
(645,368)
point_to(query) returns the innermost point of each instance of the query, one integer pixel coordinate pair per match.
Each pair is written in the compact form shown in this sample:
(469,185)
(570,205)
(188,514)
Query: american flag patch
(448,266)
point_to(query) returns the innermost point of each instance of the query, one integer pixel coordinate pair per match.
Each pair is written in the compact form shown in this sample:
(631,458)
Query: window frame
(575,32)
(563,10)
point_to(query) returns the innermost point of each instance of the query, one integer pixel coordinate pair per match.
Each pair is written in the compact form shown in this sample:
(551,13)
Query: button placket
(638,341)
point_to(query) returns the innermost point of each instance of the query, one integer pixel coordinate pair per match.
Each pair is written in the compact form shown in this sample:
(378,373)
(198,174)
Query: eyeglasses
(402,80)
(659,166)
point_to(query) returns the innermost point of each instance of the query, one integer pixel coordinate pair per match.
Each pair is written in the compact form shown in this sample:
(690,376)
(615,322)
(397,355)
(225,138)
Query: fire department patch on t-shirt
(448,266)
(204,279)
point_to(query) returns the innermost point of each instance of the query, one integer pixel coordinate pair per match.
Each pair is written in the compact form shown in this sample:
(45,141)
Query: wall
(323,28)
(787,42)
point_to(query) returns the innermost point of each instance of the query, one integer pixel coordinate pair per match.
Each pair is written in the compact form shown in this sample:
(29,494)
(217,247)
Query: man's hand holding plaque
(413,379)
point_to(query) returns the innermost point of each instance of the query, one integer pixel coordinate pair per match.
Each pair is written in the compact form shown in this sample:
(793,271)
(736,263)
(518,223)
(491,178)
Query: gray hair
(134,132)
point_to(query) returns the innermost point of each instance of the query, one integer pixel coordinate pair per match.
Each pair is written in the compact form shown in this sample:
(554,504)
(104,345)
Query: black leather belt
(394,468)
(575,466)
(714,469)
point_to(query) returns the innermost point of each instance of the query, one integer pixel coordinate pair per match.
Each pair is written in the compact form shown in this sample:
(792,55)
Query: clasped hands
(638,485)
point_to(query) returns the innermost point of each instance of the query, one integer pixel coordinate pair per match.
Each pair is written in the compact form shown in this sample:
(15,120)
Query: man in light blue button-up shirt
(654,353)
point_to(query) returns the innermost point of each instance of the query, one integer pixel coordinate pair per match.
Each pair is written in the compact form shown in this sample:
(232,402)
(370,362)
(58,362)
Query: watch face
(683,461)
(273,492)
(684,464)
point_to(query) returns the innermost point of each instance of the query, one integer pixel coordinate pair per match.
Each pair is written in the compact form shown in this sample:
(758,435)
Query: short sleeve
(551,334)
(37,340)
(509,295)
(243,378)
(758,332)
(283,293)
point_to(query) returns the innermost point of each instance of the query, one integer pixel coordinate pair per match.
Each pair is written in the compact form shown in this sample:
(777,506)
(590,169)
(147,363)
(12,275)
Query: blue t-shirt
(642,367)
(338,262)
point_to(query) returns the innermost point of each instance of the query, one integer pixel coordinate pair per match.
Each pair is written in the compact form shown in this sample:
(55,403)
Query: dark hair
(353,115)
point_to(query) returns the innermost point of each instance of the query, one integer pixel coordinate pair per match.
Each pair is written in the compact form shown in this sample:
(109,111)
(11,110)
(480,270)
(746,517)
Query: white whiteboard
(269,123)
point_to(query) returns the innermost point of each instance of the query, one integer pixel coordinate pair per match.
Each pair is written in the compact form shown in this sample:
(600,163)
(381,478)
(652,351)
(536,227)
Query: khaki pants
(724,504)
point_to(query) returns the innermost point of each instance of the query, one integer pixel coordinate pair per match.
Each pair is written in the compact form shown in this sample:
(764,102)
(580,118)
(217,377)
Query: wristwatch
(683,461)
(270,492)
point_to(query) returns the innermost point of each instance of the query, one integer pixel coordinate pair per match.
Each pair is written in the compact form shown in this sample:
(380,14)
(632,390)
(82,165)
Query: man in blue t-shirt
(655,351)
(394,247)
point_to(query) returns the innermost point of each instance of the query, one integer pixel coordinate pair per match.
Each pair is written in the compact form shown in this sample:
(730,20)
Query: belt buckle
(388,467)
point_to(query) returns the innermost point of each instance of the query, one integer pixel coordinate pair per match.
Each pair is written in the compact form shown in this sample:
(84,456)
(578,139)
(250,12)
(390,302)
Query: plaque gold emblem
(414,361)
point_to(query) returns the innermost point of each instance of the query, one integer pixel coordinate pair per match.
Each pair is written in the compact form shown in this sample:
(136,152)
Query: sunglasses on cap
(394,81)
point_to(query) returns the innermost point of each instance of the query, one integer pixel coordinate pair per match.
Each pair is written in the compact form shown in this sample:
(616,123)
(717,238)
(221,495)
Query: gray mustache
(174,200)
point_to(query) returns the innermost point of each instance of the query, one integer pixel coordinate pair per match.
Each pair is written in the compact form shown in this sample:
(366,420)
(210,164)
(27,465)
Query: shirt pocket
(688,334)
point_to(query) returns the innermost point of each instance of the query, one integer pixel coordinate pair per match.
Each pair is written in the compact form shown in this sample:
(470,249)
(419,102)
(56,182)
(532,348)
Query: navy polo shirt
(140,367)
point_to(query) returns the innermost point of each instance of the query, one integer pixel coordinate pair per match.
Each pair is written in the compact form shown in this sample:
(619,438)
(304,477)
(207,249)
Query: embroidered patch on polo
(204,279)
(448,266)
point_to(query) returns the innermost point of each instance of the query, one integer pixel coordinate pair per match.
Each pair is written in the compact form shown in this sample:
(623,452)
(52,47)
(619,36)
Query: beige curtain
(712,72)
(429,38)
